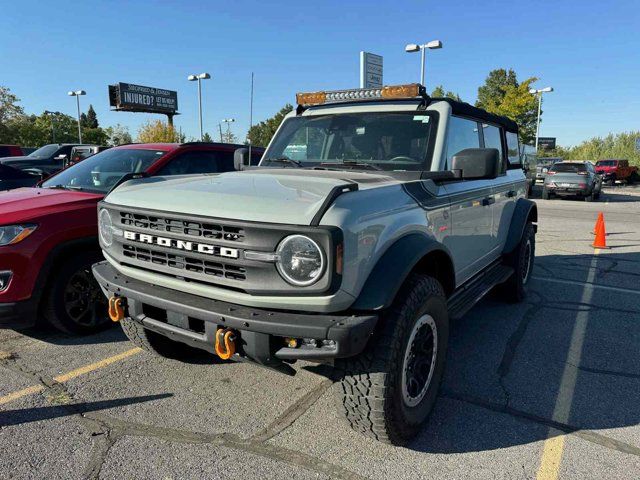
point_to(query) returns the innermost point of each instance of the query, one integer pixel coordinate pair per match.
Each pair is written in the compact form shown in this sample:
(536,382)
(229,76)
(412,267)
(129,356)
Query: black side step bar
(470,293)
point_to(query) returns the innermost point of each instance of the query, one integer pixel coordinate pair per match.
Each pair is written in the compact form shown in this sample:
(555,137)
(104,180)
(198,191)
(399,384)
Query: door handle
(511,193)
(488,201)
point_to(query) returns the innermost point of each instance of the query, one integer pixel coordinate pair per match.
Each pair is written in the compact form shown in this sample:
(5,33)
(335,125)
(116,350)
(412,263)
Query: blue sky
(588,50)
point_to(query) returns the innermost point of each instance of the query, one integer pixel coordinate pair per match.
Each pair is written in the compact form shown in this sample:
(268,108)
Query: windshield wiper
(284,160)
(65,187)
(350,163)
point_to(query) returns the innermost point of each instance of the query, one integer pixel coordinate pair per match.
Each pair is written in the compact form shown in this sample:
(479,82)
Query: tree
(439,92)
(156,132)
(118,135)
(492,92)
(9,110)
(260,135)
(92,118)
(229,137)
(502,94)
(207,138)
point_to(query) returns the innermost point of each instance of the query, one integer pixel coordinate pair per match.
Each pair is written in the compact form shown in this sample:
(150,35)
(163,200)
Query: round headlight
(105,227)
(300,260)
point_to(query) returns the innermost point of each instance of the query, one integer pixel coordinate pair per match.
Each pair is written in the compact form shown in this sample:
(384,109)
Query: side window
(190,163)
(66,150)
(492,138)
(513,149)
(462,134)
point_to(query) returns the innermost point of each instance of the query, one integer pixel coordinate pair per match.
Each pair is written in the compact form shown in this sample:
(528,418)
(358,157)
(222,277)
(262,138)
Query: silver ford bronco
(375,217)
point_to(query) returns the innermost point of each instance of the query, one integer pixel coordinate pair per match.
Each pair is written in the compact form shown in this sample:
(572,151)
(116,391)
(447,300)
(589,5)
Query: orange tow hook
(225,343)
(116,308)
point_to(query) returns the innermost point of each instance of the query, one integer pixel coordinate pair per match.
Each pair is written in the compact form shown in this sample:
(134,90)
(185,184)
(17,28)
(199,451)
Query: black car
(45,160)
(13,178)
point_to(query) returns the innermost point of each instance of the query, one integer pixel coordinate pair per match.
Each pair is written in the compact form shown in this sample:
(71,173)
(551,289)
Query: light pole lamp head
(192,78)
(204,76)
(77,93)
(412,47)
(533,91)
(434,44)
(547,89)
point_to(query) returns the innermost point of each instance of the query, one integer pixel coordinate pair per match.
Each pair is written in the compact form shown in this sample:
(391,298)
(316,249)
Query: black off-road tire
(157,344)
(370,388)
(522,259)
(71,281)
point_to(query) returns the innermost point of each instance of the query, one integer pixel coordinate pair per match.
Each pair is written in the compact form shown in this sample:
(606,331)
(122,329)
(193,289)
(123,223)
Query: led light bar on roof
(411,90)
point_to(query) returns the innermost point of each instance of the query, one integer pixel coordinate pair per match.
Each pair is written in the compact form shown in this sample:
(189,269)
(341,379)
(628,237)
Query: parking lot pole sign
(370,70)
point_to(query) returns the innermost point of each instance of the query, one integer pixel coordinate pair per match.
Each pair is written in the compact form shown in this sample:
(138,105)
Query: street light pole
(77,94)
(198,78)
(539,93)
(415,47)
(227,121)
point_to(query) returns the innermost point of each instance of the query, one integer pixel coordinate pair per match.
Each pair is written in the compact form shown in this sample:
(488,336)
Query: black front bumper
(18,314)
(194,320)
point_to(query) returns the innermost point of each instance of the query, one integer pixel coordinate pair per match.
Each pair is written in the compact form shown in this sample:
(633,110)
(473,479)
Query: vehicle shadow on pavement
(36,414)
(565,360)
(46,333)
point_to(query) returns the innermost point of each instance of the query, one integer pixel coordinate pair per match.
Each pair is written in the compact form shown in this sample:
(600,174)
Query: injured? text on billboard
(138,98)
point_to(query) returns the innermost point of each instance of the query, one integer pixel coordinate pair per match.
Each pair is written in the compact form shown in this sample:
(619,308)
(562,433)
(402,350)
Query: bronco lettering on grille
(181,244)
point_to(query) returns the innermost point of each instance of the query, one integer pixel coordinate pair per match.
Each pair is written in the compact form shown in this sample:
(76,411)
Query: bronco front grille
(184,262)
(214,231)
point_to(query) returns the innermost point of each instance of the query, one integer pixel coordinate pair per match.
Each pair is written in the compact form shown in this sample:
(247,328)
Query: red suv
(10,151)
(48,234)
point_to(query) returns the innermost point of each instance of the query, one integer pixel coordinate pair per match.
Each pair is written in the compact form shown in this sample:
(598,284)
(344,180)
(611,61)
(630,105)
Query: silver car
(575,179)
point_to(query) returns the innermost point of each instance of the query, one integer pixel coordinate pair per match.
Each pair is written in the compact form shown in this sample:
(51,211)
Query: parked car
(399,213)
(48,235)
(613,170)
(529,164)
(576,179)
(46,160)
(11,151)
(11,178)
(79,153)
(543,166)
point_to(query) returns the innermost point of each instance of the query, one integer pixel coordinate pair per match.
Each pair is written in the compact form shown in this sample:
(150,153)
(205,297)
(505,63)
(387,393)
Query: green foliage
(118,135)
(502,94)
(95,136)
(156,132)
(207,138)
(229,137)
(9,110)
(35,130)
(92,118)
(619,145)
(260,135)
(439,92)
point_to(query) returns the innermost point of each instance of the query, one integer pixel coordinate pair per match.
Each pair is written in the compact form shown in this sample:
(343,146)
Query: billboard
(138,98)
(370,70)
(547,143)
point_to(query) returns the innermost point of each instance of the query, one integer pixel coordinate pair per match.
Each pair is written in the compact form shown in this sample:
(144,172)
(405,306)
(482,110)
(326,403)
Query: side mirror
(241,158)
(60,157)
(476,163)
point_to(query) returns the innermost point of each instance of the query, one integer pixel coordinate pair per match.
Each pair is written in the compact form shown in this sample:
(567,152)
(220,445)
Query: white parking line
(587,285)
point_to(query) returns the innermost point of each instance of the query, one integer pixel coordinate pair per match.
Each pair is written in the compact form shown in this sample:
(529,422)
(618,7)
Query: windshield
(101,171)
(606,163)
(45,151)
(569,167)
(386,141)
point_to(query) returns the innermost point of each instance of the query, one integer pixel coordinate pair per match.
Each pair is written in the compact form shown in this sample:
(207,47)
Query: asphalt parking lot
(549,388)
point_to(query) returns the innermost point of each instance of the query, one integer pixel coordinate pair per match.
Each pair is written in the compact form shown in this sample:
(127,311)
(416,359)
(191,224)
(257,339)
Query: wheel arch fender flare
(525,211)
(395,265)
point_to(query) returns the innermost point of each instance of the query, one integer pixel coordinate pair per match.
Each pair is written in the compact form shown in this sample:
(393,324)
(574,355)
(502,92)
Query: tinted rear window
(569,167)
(607,163)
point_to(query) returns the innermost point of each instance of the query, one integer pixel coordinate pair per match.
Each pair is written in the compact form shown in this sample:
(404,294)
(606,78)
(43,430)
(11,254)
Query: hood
(24,204)
(290,196)
(9,160)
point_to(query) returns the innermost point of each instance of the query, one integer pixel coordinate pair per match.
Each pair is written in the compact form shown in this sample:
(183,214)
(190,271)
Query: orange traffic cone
(601,235)
(598,222)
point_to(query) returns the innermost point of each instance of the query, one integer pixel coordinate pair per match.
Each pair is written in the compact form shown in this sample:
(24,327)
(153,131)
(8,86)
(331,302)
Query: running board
(470,293)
